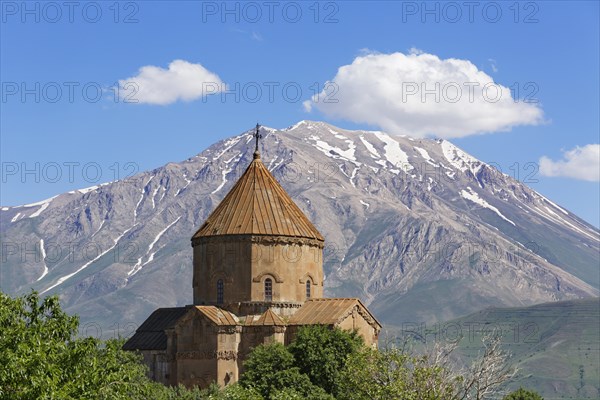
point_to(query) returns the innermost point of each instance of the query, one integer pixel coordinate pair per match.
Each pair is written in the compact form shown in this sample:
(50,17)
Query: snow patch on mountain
(552,216)
(39,203)
(64,278)
(424,154)
(187,183)
(274,167)
(296,125)
(228,144)
(138,266)
(100,227)
(270,166)
(40,210)
(555,206)
(430,183)
(89,189)
(393,153)
(135,210)
(336,152)
(354,171)
(153,196)
(336,134)
(459,159)
(164,193)
(370,148)
(43,251)
(44,204)
(229,167)
(471,195)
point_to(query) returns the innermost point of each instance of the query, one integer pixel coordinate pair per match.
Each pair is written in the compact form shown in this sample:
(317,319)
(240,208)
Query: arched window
(268,289)
(308,288)
(220,291)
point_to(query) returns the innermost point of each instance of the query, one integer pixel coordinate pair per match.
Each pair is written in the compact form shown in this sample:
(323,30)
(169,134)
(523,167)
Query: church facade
(257,278)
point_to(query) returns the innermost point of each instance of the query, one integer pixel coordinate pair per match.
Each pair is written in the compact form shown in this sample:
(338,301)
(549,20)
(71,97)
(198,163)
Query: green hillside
(554,345)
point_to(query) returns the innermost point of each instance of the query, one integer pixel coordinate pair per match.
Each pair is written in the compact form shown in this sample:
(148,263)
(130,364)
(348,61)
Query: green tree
(431,374)
(235,392)
(394,374)
(523,394)
(321,352)
(270,370)
(41,357)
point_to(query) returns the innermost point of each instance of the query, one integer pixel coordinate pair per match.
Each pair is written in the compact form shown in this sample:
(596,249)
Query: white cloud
(397,92)
(366,51)
(181,81)
(579,163)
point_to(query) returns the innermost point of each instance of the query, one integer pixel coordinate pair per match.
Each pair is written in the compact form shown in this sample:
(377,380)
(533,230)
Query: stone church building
(258,277)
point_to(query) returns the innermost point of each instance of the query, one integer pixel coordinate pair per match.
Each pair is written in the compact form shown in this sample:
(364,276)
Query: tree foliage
(310,367)
(394,374)
(271,371)
(398,373)
(523,394)
(321,353)
(42,358)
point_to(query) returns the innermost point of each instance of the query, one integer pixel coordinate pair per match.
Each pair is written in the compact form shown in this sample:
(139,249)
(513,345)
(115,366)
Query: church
(257,278)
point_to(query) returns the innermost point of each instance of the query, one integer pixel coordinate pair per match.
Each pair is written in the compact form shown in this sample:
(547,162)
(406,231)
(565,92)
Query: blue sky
(548,52)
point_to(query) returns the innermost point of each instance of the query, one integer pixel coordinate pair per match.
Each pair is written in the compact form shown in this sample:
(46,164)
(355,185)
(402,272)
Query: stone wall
(244,263)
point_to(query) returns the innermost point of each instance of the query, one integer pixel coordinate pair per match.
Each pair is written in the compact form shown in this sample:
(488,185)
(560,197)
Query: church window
(308,288)
(220,291)
(268,289)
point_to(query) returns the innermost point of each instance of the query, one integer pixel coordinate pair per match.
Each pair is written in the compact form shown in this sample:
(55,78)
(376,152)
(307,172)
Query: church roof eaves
(151,334)
(324,311)
(218,316)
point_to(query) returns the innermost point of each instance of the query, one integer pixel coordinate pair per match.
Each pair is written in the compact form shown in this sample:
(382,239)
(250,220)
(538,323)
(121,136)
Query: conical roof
(258,205)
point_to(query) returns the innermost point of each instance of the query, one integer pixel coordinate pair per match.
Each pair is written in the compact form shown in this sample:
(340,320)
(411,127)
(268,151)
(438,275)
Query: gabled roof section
(151,334)
(268,318)
(258,205)
(330,312)
(216,315)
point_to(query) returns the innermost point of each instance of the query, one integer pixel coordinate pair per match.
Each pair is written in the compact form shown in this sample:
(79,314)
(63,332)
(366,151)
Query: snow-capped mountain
(417,228)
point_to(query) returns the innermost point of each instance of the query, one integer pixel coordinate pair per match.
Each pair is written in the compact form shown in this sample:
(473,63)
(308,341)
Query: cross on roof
(257,135)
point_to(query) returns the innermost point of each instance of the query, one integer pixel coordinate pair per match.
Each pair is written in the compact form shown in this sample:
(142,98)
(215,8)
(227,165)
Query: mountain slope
(417,228)
(553,345)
